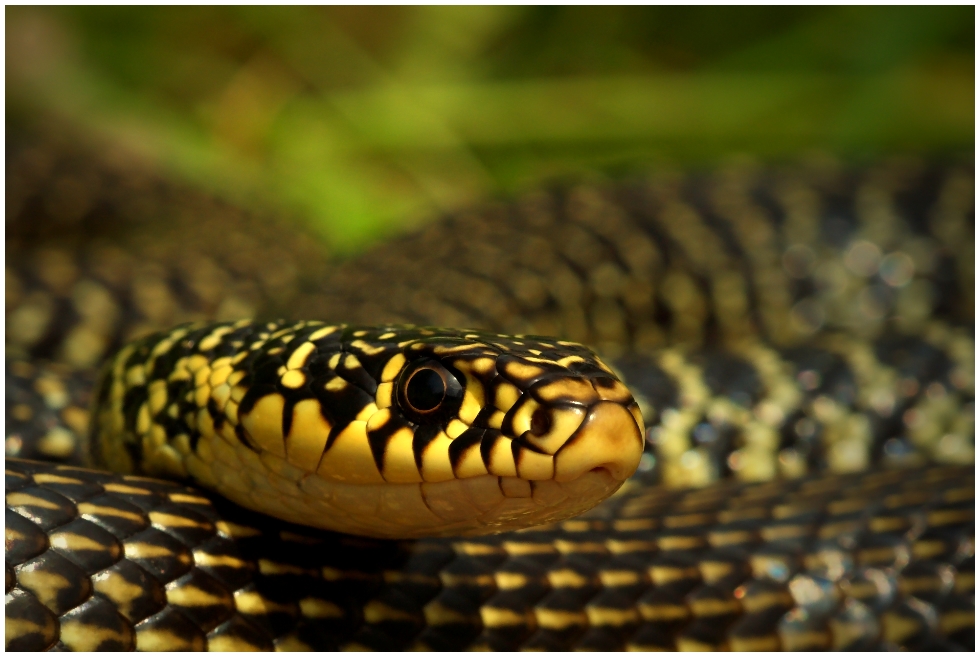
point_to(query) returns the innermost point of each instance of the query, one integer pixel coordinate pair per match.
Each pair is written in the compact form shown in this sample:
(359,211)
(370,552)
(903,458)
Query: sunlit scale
(386,431)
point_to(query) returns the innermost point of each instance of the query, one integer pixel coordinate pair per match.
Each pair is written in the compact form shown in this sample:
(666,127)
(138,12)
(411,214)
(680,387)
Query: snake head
(526,406)
(497,432)
(390,431)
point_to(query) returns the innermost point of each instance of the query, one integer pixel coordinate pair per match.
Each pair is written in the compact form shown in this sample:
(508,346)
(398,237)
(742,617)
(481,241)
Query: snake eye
(428,392)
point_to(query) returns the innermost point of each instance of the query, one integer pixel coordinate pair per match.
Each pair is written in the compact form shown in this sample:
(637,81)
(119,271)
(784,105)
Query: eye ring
(428,392)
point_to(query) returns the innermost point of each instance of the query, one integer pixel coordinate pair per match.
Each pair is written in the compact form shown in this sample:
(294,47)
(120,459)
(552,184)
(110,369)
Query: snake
(767,444)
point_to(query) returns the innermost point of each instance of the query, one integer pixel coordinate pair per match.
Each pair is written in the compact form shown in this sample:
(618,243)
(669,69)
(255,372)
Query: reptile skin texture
(844,562)
(799,338)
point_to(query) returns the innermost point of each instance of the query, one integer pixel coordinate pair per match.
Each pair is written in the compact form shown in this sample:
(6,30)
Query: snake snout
(609,438)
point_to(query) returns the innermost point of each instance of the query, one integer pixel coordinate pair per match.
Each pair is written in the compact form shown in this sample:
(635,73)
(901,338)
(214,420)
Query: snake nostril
(540,422)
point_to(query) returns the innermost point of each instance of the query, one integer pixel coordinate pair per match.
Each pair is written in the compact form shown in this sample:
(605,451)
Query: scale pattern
(836,308)
(310,422)
(880,560)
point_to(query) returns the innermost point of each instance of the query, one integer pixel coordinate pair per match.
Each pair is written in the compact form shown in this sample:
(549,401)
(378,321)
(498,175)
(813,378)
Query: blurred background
(364,121)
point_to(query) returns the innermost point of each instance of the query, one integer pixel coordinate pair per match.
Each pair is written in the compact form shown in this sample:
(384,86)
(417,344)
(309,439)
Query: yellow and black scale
(391,432)
(797,338)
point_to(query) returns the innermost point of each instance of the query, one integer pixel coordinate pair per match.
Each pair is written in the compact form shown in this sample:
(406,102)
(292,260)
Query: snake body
(782,331)
(115,562)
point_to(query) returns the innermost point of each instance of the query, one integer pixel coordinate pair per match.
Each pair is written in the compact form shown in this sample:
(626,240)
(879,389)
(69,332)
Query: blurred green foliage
(365,119)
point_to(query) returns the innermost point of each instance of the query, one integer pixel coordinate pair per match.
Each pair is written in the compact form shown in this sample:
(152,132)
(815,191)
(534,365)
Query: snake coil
(801,419)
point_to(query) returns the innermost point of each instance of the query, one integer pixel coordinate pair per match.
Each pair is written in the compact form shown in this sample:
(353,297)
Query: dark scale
(948,288)
(46,426)
(719,441)
(923,370)
(469,438)
(33,541)
(41,626)
(645,378)
(101,547)
(915,359)
(802,433)
(732,378)
(356,376)
(821,372)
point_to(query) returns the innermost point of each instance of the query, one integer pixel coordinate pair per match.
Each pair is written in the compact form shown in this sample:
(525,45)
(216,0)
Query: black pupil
(426,390)
(540,422)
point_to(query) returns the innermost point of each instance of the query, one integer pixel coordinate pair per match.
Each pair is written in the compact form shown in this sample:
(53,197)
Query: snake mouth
(583,425)
(608,439)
